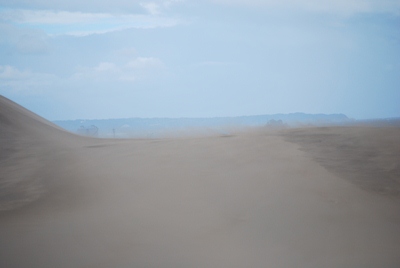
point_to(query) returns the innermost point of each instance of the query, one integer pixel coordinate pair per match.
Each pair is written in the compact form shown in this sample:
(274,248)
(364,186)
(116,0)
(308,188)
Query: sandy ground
(256,199)
(367,156)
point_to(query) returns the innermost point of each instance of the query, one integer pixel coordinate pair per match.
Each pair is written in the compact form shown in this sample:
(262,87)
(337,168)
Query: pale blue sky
(183,58)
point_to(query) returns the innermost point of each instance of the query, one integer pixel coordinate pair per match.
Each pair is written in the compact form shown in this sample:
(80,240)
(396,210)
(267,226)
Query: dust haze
(259,197)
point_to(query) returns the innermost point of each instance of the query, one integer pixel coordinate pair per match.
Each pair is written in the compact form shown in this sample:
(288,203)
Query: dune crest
(28,144)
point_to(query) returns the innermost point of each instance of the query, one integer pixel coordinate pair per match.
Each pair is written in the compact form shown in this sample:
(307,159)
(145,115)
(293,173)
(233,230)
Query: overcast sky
(183,58)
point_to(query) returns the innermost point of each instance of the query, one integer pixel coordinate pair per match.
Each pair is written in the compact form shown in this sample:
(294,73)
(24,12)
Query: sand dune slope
(28,144)
(367,156)
(250,200)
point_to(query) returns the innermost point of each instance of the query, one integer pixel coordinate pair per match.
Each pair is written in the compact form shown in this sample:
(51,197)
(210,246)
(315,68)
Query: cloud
(50,17)
(137,69)
(346,7)
(25,41)
(24,81)
(213,64)
(145,63)
(99,6)
(152,8)
(79,23)
(128,52)
(8,73)
(156,8)
(142,68)
(106,67)
(116,6)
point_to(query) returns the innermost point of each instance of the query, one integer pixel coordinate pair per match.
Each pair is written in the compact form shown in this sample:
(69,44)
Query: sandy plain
(312,197)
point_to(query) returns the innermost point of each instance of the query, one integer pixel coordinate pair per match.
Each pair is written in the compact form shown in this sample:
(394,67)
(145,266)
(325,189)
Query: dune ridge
(28,145)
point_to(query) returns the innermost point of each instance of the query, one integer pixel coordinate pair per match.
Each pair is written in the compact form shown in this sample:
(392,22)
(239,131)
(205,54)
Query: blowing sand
(255,199)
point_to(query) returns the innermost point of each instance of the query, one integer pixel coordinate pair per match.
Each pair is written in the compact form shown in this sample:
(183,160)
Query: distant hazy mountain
(155,127)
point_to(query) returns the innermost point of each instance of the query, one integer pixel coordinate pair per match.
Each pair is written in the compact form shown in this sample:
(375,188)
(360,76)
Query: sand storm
(249,200)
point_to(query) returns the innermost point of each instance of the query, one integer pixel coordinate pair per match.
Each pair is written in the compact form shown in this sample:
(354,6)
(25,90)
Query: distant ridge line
(212,117)
(136,126)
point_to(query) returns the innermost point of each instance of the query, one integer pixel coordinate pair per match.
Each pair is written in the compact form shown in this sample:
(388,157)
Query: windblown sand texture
(316,197)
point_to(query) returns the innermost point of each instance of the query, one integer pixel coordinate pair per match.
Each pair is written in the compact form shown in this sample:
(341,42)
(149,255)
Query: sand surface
(367,156)
(255,199)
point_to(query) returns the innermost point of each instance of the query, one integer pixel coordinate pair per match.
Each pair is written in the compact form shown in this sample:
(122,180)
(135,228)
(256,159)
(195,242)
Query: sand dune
(255,199)
(367,156)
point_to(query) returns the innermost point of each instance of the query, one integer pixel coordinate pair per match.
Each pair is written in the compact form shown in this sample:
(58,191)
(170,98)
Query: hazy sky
(182,58)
